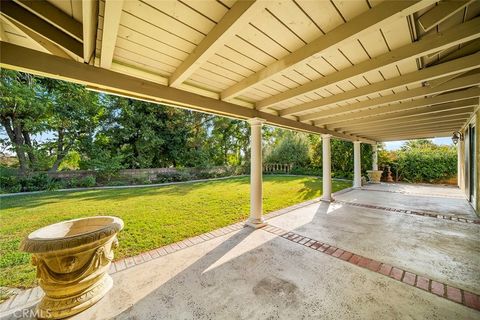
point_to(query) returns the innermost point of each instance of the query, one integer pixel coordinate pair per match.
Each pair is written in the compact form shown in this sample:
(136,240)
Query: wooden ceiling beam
(469,103)
(111,22)
(466,81)
(43,43)
(373,19)
(54,16)
(416,136)
(459,34)
(43,28)
(27,60)
(455,66)
(234,20)
(89,29)
(375,130)
(418,119)
(446,97)
(441,12)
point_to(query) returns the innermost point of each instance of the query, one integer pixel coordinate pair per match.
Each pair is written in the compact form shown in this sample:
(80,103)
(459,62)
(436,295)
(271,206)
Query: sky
(395,145)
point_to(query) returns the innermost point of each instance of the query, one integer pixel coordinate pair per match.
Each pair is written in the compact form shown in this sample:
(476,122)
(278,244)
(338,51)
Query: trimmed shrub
(427,165)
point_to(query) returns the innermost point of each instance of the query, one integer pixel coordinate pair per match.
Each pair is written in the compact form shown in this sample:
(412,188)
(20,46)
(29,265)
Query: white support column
(327,168)
(357,169)
(459,167)
(256,220)
(374,157)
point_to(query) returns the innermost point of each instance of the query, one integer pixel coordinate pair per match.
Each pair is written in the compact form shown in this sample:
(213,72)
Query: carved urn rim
(71,233)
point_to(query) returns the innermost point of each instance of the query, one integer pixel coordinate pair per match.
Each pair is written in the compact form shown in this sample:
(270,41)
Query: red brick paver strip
(374,265)
(412,212)
(422,283)
(363,262)
(457,295)
(355,259)
(409,278)
(471,300)
(338,253)
(346,255)
(438,288)
(454,294)
(385,269)
(330,250)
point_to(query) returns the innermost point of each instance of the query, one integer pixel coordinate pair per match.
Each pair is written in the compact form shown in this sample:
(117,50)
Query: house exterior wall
(462,161)
(477,125)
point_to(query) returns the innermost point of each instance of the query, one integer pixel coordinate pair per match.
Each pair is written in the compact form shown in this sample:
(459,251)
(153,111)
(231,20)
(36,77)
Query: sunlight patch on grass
(153,216)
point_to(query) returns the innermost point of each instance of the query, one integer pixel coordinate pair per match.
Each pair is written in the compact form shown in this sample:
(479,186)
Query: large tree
(146,134)
(74,117)
(23,110)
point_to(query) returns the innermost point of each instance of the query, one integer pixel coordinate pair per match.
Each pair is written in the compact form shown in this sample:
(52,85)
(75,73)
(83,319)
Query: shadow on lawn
(308,191)
(36,200)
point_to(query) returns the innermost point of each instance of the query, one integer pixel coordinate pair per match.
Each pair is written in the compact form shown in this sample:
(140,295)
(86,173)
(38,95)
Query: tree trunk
(61,150)
(14,132)
(29,147)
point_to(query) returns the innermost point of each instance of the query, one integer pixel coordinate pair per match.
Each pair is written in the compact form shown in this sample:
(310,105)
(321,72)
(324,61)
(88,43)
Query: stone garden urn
(72,259)
(374,176)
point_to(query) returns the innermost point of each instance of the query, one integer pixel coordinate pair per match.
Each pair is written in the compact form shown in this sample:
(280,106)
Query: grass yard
(153,216)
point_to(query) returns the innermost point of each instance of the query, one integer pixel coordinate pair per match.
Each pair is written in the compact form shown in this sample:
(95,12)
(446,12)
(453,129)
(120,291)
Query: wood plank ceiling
(368,70)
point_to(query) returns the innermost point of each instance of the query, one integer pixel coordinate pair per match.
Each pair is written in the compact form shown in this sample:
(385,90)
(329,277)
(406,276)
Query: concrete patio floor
(270,274)
(259,275)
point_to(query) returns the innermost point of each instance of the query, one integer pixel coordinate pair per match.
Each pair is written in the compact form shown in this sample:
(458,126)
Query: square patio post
(357,169)
(374,157)
(255,220)
(327,168)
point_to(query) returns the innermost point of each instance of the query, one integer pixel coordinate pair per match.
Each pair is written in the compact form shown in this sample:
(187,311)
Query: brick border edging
(128,262)
(438,195)
(457,295)
(412,212)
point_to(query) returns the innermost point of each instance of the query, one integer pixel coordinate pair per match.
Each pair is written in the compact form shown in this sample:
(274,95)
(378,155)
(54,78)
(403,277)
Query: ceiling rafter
(417,136)
(44,43)
(441,12)
(439,132)
(446,97)
(111,22)
(373,19)
(54,16)
(456,84)
(392,123)
(455,66)
(408,126)
(430,128)
(235,19)
(468,103)
(460,34)
(36,24)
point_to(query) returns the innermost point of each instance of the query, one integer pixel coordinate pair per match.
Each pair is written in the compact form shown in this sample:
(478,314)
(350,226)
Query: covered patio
(362,71)
(316,259)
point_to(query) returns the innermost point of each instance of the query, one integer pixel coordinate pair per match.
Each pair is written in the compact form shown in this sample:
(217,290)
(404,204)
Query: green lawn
(153,216)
